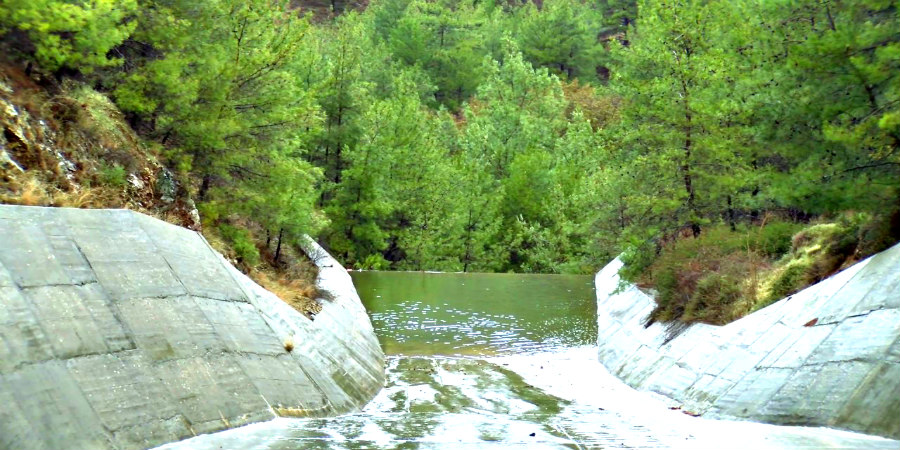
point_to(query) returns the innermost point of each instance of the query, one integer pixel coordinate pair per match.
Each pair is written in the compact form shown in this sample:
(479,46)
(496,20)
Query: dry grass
(69,139)
(31,190)
(298,293)
(33,193)
(78,151)
(715,278)
(724,275)
(293,282)
(85,110)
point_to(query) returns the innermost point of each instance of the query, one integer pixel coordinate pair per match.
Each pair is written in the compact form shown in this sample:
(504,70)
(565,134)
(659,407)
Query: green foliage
(445,40)
(75,34)
(374,262)
(112,175)
(562,37)
(710,278)
(678,163)
(242,242)
(438,135)
(774,239)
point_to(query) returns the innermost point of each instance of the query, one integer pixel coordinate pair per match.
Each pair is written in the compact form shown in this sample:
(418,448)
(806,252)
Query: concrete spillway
(118,330)
(826,356)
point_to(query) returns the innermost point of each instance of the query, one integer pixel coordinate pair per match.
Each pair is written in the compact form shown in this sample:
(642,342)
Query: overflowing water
(496,361)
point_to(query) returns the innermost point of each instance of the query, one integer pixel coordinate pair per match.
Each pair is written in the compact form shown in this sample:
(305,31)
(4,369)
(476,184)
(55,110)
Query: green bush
(242,242)
(879,233)
(112,175)
(210,212)
(374,262)
(774,239)
(637,258)
(793,277)
(820,250)
(712,299)
(703,279)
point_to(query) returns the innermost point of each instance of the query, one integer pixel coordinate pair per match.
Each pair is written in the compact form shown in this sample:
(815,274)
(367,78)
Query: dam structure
(121,331)
(828,355)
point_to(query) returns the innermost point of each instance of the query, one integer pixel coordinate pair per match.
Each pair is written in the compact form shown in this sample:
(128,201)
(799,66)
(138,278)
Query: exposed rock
(118,330)
(193,214)
(135,181)
(840,369)
(165,186)
(8,164)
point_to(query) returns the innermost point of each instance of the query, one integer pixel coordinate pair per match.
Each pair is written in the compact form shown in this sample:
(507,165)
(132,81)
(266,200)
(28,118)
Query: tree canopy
(493,136)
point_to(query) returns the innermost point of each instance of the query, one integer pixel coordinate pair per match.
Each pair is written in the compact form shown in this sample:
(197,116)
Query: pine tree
(562,36)
(74,34)
(682,132)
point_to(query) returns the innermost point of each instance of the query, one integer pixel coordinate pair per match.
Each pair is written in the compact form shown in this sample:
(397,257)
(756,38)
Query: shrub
(695,279)
(374,262)
(637,259)
(210,212)
(787,280)
(242,243)
(820,250)
(712,278)
(879,233)
(774,239)
(712,299)
(112,175)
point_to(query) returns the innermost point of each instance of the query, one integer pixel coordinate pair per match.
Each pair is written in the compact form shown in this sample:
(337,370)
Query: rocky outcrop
(118,330)
(826,356)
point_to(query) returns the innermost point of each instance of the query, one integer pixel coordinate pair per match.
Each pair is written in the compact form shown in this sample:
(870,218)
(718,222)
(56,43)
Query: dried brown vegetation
(69,146)
(724,275)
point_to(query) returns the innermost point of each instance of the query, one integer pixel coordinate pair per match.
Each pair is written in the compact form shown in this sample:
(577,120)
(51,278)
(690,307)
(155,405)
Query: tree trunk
(204,187)
(278,248)
(468,255)
(337,164)
(686,163)
(731,215)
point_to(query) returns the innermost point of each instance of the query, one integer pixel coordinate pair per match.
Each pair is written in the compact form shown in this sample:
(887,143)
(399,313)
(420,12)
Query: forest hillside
(735,151)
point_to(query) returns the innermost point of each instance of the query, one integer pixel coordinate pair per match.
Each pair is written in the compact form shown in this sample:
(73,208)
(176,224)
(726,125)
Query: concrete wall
(118,330)
(843,371)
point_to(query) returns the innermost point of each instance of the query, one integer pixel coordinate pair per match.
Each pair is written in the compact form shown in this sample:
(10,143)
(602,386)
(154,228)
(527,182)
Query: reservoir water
(479,314)
(497,361)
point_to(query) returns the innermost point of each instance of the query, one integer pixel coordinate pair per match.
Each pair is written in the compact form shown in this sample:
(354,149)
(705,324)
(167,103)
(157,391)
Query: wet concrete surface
(550,400)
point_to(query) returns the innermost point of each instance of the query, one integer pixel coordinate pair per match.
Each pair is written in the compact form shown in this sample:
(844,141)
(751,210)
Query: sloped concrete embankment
(826,356)
(118,330)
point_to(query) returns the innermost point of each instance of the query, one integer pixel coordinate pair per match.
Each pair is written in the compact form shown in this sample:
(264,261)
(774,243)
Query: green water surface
(416,313)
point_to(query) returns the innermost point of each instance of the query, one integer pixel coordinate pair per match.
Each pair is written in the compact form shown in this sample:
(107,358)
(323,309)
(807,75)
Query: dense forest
(491,136)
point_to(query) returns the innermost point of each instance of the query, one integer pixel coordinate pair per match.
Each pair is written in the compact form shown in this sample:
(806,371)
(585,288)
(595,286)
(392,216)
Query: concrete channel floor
(575,374)
(511,402)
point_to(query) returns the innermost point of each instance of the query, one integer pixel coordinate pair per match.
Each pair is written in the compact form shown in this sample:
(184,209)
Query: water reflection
(428,403)
(477,314)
